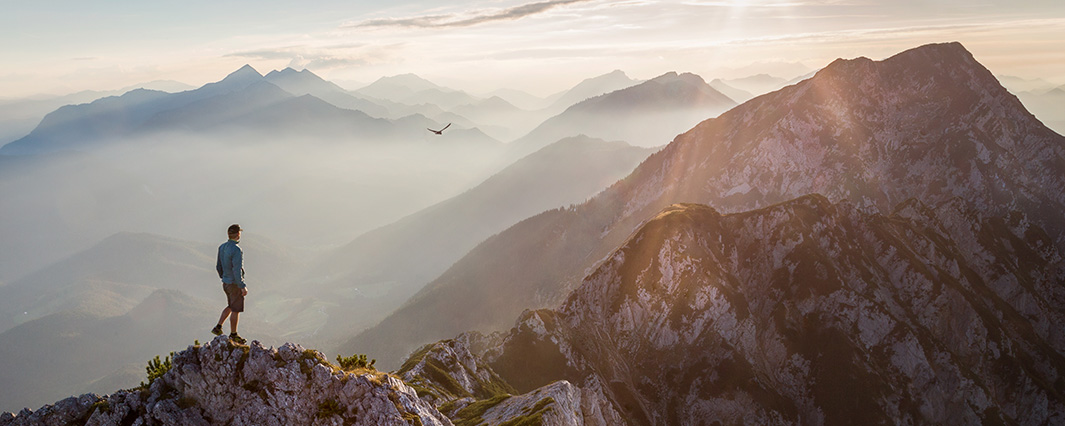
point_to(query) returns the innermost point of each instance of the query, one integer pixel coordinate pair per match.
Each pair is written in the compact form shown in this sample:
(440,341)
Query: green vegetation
(329,408)
(471,414)
(157,369)
(101,405)
(436,378)
(314,357)
(415,358)
(412,419)
(356,361)
(186,402)
(531,416)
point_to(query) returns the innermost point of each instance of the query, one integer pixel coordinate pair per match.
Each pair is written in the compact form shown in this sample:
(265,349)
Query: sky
(540,46)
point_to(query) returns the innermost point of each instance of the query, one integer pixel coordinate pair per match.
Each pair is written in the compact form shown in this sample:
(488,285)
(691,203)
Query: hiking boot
(217,330)
(237,339)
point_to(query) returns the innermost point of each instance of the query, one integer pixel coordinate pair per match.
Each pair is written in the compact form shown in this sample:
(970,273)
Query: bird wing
(445,127)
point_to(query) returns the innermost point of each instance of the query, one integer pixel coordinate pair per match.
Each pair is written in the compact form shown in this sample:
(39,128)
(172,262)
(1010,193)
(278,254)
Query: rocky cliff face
(810,312)
(454,376)
(929,124)
(223,383)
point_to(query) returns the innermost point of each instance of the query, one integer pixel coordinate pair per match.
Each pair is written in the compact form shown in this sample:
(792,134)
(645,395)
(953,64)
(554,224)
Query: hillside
(57,355)
(391,263)
(809,312)
(930,124)
(121,270)
(647,114)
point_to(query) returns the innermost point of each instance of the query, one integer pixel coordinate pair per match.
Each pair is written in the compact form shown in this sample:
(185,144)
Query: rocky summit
(224,383)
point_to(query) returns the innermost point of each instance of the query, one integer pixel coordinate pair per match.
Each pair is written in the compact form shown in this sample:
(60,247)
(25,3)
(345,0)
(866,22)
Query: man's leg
(233,322)
(225,313)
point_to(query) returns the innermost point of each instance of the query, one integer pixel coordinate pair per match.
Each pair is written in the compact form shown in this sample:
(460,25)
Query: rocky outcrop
(454,376)
(224,383)
(809,312)
(448,370)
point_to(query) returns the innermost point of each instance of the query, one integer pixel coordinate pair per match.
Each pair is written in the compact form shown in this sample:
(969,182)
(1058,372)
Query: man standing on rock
(230,267)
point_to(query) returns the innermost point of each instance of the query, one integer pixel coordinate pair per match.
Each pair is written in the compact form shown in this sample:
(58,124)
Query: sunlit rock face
(929,124)
(454,376)
(222,383)
(809,312)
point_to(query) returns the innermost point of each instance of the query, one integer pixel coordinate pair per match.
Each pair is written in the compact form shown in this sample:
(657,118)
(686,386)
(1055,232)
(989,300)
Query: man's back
(230,263)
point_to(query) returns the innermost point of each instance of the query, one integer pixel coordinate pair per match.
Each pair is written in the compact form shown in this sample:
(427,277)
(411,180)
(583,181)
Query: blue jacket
(230,261)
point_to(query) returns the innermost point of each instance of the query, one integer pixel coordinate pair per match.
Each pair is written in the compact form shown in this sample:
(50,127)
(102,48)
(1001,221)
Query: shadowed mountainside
(809,312)
(929,123)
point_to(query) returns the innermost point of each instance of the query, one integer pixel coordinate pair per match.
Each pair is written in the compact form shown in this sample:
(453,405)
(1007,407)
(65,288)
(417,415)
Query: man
(230,267)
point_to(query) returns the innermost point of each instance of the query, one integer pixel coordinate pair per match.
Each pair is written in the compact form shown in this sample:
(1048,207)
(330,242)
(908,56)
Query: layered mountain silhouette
(244,101)
(880,243)
(756,84)
(113,275)
(647,114)
(19,116)
(388,265)
(398,87)
(64,201)
(63,353)
(733,93)
(1047,106)
(99,311)
(590,88)
(929,124)
(304,82)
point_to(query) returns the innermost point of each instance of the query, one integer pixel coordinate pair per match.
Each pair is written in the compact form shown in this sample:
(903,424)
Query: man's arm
(238,267)
(218,264)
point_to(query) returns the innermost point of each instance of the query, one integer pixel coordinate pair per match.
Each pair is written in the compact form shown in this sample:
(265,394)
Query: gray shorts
(234,296)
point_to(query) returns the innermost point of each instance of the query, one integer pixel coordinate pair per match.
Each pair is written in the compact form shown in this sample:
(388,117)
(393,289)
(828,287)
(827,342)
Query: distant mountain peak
(673,76)
(290,73)
(246,70)
(245,75)
(410,79)
(927,57)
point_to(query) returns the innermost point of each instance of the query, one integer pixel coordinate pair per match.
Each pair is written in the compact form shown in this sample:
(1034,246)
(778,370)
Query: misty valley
(874,242)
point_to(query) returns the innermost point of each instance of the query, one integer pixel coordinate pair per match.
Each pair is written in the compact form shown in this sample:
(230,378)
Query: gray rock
(224,383)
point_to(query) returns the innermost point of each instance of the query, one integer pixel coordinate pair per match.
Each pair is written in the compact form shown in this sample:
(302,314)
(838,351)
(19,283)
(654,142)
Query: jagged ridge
(809,312)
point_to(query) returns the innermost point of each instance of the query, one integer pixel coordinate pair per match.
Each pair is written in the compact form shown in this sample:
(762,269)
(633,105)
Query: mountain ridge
(872,133)
(805,312)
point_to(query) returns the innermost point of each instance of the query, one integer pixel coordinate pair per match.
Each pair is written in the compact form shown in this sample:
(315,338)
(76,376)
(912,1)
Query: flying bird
(441,131)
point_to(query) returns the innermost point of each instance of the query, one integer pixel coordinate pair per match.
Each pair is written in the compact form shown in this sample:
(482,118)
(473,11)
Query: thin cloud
(298,58)
(465,20)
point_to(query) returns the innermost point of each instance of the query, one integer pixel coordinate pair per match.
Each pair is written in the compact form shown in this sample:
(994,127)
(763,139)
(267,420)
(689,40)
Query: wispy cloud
(767,3)
(301,57)
(896,32)
(467,19)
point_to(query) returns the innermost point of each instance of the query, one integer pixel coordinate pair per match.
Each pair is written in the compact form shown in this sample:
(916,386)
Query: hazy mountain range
(284,149)
(959,134)
(648,114)
(19,116)
(880,242)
